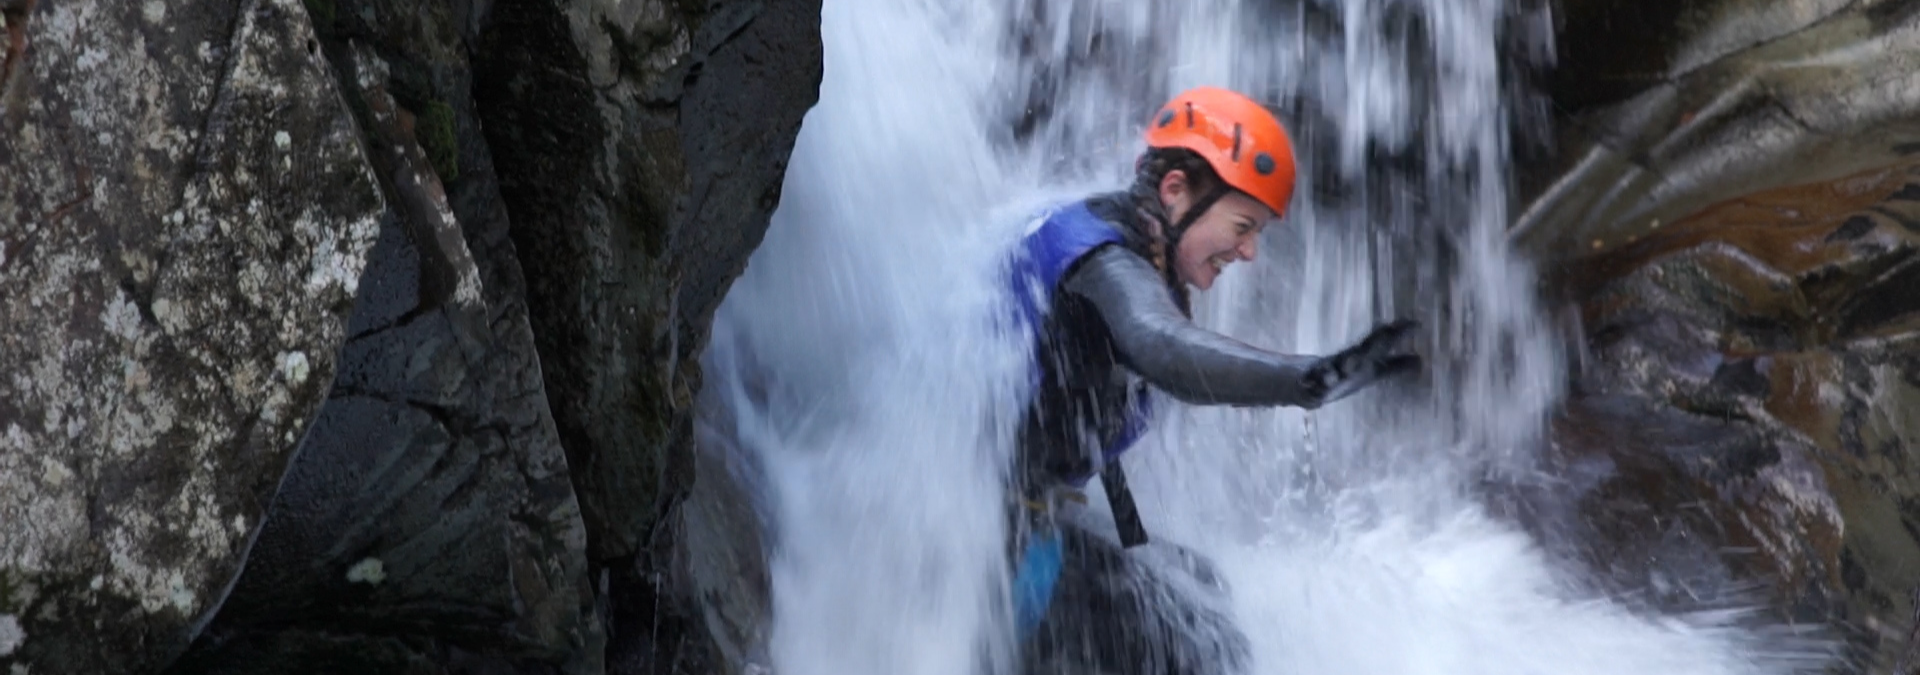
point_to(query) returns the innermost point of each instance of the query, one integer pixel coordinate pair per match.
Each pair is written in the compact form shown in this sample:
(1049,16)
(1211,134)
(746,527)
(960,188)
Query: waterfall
(862,366)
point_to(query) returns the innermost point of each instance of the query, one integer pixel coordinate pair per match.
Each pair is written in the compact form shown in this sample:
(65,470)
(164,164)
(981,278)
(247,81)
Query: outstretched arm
(1203,367)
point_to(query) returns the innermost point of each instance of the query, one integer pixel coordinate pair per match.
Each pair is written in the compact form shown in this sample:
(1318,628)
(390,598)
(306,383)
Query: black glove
(1374,358)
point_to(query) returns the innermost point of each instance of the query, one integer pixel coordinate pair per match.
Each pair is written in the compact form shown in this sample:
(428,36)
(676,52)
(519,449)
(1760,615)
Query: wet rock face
(183,225)
(1733,216)
(1670,108)
(649,141)
(1610,51)
(1748,407)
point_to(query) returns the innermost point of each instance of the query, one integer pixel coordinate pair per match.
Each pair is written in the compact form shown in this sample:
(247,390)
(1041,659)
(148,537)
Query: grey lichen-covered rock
(1743,96)
(184,216)
(429,524)
(649,141)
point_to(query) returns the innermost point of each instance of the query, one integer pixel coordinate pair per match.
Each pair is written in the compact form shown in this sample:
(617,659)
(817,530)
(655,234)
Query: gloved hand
(1374,358)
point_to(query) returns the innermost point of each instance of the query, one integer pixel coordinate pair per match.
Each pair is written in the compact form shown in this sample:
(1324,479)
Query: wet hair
(1144,195)
(1153,167)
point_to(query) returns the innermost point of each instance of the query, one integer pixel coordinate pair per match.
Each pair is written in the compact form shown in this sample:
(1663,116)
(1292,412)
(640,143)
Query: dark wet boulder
(718,539)
(185,211)
(1746,409)
(1156,608)
(648,143)
(1732,221)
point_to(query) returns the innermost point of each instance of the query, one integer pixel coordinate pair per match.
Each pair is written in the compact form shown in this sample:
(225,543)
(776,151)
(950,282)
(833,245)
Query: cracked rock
(183,224)
(429,523)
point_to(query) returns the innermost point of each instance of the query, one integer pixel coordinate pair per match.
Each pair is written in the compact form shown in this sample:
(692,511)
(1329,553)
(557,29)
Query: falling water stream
(861,365)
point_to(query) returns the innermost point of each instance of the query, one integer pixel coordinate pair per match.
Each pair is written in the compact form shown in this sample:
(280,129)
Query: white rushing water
(858,355)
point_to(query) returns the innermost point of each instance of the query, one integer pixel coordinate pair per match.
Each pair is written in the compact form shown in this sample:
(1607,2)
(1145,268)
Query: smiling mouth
(1219,264)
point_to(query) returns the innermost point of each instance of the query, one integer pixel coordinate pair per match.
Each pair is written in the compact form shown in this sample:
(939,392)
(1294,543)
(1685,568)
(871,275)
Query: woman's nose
(1249,247)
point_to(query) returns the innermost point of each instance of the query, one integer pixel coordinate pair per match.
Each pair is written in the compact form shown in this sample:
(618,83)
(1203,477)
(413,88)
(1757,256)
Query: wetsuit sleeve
(1188,362)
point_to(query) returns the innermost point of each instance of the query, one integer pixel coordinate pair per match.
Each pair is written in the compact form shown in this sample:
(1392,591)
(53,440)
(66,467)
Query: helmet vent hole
(1263,163)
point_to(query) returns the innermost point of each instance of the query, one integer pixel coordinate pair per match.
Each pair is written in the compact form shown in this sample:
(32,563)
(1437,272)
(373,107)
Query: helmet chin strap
(1174,233)
(1193,214)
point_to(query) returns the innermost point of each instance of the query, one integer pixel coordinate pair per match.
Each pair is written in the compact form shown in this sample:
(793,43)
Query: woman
(1102,283)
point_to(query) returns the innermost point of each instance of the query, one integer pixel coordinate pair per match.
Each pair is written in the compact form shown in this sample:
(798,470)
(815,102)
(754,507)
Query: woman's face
(1227,232)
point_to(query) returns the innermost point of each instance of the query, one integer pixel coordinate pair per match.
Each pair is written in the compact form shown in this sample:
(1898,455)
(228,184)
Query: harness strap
(1126,515)
(1171,246)
(1199,208)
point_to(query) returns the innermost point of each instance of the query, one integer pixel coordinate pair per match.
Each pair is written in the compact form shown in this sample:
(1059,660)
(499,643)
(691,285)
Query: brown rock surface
(1751,390)
(1669,108)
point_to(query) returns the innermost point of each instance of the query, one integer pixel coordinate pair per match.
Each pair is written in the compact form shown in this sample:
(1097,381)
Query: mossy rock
(434,129)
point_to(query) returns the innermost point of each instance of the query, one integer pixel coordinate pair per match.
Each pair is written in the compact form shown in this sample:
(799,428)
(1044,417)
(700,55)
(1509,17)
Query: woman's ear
(1176,194)
(1173,185)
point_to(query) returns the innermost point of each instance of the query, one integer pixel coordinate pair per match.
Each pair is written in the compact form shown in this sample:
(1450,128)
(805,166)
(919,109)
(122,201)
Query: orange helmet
(1243,142)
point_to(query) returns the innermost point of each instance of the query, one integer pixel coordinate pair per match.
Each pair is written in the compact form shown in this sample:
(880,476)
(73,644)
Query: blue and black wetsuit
(1106,325)
(1110,328)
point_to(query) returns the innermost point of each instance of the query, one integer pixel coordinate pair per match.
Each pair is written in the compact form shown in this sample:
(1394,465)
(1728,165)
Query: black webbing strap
(1126,516)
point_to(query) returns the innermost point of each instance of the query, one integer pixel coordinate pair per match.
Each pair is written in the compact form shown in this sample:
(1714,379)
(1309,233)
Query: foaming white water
(1460,595)
(859,356)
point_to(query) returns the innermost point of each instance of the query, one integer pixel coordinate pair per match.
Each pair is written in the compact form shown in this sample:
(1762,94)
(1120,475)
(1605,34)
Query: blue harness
(1048,249)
